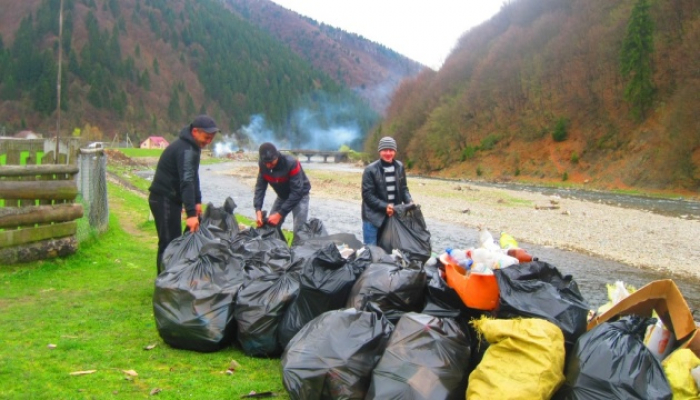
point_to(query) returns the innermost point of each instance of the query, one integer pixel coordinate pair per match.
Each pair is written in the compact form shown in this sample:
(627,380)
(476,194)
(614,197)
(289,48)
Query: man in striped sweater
(383,185)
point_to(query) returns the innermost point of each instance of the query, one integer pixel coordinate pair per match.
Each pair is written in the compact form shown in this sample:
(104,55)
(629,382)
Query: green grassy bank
(93,312)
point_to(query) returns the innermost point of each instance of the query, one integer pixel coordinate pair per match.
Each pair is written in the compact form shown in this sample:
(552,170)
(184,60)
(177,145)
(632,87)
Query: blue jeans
(369,233)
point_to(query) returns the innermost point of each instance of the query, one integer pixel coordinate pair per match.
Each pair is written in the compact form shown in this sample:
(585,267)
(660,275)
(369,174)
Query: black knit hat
(268,152)
(205,123)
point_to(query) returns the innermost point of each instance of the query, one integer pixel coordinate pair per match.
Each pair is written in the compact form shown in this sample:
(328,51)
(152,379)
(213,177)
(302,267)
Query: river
(590,273)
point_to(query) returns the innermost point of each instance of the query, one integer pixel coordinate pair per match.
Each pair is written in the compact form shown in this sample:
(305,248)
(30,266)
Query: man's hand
(198,209)
(274,219)
(390,210)
(192,223)
(259,218)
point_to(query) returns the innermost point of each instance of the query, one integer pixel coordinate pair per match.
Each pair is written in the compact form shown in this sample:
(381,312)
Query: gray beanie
(387,143)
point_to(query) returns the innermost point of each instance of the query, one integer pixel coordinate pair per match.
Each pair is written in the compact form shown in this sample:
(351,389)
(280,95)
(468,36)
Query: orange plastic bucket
(478,291)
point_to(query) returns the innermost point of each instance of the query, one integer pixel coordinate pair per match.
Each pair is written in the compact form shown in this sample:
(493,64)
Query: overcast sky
(422,30)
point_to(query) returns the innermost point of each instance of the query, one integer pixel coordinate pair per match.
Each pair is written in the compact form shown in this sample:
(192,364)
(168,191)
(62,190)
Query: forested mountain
(372,70)
(148,66)
(597,91)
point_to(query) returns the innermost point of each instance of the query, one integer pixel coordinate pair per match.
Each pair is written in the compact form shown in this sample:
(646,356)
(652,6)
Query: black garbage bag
(394,288)
(538,290)
(221,221)
(611,362)
(186,247)
(332,357)
(313,228)
(440,299)
(325,283)
(258,310)
(426,358)
(266,231)
(367,256)
(262,251)
(193,300)
(406,231)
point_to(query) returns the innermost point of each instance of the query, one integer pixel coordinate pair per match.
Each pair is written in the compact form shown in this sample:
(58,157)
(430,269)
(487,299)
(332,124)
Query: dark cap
(268,152)
(205,123)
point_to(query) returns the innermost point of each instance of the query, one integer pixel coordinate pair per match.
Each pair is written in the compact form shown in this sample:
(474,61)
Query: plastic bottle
(460,257)
(521,254)
(486,240)
(492,259)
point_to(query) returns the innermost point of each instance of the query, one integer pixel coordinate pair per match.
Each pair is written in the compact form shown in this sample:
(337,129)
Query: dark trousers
(168,217)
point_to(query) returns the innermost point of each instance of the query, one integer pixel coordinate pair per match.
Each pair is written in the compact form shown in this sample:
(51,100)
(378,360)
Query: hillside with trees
(147,66)
(586,91)
(371,70)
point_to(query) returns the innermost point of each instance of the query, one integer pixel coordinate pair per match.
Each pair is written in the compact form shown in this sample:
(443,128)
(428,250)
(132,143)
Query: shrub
(565,176)
(489,142)
(468,153)
(479,171)
(574,157)
(560,130)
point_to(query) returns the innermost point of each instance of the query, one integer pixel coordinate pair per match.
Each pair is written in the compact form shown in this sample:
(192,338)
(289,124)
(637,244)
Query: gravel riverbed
(637,238)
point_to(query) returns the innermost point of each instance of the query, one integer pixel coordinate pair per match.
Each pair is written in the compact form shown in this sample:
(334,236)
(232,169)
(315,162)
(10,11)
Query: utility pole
(58,81)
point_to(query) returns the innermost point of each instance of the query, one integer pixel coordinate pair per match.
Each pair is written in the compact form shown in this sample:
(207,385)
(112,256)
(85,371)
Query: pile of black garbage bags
(363,322)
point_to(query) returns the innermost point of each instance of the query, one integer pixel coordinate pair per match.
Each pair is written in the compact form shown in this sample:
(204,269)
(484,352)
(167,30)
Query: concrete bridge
(338,156)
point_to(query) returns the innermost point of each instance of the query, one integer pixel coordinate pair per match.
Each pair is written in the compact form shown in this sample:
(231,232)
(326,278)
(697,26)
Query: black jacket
(374,195)
(177,173)
(287,179)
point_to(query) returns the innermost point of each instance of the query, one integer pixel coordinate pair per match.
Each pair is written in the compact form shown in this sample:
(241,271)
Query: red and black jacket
(287,179)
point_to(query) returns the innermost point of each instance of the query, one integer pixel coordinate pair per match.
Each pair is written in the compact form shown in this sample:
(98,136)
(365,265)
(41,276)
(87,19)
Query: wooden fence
(37,214)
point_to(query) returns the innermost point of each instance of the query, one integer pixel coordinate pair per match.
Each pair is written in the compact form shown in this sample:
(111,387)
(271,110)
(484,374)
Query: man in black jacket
(288,180)
(383,185)
(176,183)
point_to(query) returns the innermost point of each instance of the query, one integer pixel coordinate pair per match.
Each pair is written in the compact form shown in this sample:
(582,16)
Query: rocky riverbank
(638,238)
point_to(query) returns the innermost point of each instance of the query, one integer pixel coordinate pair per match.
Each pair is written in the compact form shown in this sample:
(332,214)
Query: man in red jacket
(288,180)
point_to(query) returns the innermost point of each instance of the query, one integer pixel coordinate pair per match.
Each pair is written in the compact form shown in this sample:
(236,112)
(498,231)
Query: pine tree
(636,59)
(174,111)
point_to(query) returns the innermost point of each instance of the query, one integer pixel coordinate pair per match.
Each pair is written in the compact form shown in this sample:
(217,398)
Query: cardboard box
(664,297)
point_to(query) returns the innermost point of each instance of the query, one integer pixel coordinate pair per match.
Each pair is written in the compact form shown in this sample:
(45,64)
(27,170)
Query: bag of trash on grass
(538,290)
(313,228)
(324,284)
(259,308)
(221,221)
(524,360)
(394,288)
(261,253)
(406,231)
(193,300)
(678,367)
(611,362)
(426,358)
(186,247)
(332,357)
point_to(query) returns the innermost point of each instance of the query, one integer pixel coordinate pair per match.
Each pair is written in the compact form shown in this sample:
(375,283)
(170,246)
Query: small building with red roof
(154,142)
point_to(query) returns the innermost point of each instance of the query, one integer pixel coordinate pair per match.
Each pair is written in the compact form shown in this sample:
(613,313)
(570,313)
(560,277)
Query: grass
(96,308)
(136,152)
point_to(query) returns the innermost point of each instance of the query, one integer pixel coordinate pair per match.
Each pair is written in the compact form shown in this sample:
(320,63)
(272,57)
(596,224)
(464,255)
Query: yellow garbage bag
(677,367)
(524,360)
